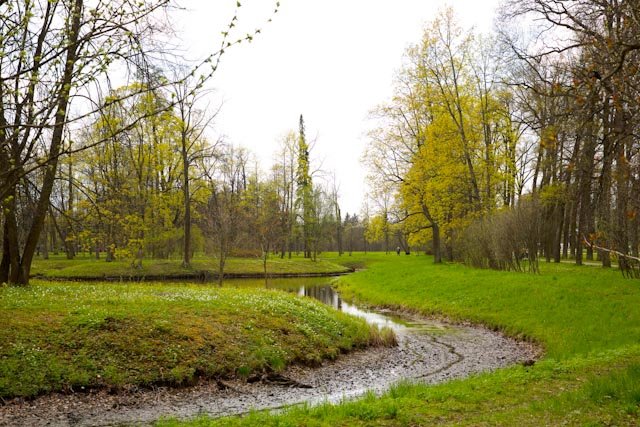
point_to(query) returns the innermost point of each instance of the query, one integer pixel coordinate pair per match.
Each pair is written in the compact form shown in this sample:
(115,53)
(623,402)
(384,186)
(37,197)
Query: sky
(331,60)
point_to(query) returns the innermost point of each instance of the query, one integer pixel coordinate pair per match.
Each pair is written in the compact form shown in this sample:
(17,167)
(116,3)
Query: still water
(320,289)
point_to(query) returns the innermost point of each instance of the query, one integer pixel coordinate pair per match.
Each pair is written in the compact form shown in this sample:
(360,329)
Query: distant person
(398,250)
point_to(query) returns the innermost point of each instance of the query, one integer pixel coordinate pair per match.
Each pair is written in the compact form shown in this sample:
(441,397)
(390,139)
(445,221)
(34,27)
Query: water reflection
(330,296)
(323,293)
(321,290)
(374,318)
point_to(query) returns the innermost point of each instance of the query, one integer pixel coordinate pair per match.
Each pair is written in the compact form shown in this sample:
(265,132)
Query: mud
(428,351)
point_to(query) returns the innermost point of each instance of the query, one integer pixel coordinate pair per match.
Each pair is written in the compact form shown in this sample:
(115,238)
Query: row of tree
(446,149)
(479,125)
(57,60)
(161,189)
(584,106)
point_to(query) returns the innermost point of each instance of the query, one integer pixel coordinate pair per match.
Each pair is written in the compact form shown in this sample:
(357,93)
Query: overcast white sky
(330,60)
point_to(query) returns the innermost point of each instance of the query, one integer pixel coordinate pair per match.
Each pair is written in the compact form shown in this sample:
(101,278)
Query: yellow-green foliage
(446,143)
(377,229)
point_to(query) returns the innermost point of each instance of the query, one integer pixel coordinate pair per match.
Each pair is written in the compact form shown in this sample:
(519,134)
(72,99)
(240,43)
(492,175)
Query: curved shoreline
(428,351)
(198,276)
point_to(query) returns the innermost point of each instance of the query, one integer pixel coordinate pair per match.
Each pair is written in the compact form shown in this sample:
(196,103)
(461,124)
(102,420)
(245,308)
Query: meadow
(74,336)
(586,319)
(89,268)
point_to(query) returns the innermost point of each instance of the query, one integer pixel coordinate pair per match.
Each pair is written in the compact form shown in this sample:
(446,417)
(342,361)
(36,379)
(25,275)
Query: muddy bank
(428,351)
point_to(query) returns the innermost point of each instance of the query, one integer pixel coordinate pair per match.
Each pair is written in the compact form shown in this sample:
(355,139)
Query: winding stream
(428,351)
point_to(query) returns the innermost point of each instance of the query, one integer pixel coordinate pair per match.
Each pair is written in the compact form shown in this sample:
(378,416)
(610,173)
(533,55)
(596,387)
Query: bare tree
(193,147)
(55,55)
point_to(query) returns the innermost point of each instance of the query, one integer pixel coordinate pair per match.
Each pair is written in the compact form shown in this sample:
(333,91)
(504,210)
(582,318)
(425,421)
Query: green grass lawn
(86,267)
(586,318)
(63,336)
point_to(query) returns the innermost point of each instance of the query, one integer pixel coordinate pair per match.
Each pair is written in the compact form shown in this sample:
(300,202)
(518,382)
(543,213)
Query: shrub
(506,240)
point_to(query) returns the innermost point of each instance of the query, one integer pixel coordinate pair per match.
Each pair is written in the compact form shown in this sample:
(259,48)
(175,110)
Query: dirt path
(428,351)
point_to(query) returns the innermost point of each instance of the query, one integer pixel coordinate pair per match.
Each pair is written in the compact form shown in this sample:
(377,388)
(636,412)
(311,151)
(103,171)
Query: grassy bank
(586,318)
(73,336)
(86,267)
(569,310)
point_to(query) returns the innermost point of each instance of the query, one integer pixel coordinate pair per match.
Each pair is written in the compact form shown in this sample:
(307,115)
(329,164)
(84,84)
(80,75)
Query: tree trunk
(186,257)
(44,239)
(221,262)
(265,257)
(604,205)
(6,259)
(557,241)
(437,252)
(584,220)
(14,272)
(566,235)
(69,241)
(21,266)
(591,230)
(633,225)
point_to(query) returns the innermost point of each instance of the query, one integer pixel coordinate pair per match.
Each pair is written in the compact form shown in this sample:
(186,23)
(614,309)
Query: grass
(87,267)
(73,336)
(586,318)
(569,310)
(580,392)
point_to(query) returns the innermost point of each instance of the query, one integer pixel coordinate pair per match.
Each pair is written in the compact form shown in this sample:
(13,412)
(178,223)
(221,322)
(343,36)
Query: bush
(506,240)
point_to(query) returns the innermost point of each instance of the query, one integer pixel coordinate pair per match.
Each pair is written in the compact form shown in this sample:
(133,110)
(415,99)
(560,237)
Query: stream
(428,351)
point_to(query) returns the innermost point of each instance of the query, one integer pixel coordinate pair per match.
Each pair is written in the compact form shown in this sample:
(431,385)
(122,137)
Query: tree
(224,213)
(263,199)
(131,181)
(575,89)
(447,143)
(34,37)
(375,230)
(337,216)
(54,54)
(191,127)
(304,192)
(284,172)
(586,143)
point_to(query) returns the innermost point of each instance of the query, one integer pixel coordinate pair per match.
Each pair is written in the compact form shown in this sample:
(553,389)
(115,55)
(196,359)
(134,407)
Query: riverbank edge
(376,337)
(199,276)
(56,404)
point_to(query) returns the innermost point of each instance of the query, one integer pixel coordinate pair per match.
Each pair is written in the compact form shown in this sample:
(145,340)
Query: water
(427,351)
(321,290)
(328,295)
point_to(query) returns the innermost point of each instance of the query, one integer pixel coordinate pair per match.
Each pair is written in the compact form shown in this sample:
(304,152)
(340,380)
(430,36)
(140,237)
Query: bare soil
(428,351)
